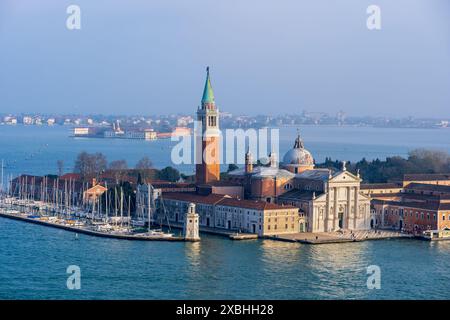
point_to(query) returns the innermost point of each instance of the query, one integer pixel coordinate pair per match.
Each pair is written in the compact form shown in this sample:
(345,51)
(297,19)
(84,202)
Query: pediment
(344,176)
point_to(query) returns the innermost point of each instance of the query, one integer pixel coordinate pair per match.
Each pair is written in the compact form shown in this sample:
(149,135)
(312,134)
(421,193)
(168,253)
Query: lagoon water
(35,149)
(34,258)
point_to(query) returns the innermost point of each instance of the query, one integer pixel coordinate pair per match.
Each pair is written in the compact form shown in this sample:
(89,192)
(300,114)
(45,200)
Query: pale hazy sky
(266,56)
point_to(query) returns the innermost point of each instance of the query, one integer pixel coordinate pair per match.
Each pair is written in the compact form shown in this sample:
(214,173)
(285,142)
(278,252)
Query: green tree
(169,174)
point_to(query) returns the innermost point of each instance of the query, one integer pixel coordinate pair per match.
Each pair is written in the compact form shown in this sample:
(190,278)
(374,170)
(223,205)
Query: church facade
(329,201)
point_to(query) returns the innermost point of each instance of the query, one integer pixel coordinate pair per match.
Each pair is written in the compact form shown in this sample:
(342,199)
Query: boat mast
(121,206)
(149,206)
(129,211)
(115,203)
(106,202)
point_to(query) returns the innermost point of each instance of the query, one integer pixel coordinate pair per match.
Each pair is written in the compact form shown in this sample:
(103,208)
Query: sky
(266,57)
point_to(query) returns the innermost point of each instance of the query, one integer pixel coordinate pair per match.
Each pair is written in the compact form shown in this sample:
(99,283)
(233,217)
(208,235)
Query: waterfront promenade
(340,237)
(84,230)
(309,237)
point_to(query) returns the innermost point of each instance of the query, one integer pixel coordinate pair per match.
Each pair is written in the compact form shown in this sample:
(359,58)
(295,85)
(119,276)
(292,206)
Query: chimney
(94,182)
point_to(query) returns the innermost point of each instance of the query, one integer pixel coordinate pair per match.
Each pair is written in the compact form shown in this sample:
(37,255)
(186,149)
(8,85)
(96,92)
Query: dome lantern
(298,159)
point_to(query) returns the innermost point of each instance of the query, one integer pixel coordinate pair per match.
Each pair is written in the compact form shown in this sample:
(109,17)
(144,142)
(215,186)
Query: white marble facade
(341,206)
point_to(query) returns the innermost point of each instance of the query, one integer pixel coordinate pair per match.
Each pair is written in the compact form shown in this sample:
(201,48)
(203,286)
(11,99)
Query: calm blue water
(34,259)
(35,150)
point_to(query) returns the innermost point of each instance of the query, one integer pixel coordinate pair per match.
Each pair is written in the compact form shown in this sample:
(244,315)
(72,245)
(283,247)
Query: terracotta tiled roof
(429,205)
(250,204)
(220,183)
(426,176)
(411,196)
(168,184)
(70,176)
(428,187)
(96,188)
(380,186)
(217,199)
(193,197)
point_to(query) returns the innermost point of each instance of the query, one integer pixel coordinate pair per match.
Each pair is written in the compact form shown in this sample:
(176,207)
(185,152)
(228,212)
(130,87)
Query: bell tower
(208,115)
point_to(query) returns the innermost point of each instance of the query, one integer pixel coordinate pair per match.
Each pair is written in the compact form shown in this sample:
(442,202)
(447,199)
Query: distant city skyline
(163,114)
(132,58)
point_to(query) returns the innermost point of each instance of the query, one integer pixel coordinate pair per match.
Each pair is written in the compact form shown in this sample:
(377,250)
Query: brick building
(227,213)
(417,208)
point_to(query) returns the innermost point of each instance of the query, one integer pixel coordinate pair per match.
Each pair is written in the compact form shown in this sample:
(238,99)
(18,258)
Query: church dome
(298,156)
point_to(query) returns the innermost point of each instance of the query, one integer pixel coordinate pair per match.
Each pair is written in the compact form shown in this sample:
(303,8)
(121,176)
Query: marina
(82,222)
(73,227)
(66,207)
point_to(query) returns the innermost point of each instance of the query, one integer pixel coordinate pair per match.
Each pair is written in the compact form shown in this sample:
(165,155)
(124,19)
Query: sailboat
(150,209)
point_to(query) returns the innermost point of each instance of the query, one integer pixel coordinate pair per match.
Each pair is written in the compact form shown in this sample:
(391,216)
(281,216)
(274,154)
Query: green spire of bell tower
(208,94)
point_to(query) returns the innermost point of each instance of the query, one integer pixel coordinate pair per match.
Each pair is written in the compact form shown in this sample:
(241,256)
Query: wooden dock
(90,232)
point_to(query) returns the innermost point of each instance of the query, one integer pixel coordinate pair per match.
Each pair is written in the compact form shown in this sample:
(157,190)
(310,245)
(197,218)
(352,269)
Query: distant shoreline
(71,126)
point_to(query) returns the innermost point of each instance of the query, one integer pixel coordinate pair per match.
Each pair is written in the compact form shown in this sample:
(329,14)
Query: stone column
(312,217)
(335,217)
(356,213)
(349,207)
(327,213)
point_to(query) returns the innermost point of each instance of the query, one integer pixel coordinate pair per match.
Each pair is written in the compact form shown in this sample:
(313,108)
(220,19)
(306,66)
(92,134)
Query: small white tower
(191,229)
